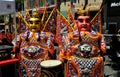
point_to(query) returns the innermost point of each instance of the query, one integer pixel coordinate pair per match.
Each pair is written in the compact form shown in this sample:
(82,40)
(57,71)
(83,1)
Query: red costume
(83,50)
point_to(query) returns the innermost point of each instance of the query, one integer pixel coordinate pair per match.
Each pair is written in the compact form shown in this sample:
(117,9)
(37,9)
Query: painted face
(83,23)
(34,24)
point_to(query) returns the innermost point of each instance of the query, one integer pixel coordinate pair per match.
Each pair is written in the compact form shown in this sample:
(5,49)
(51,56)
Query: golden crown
(34,15)
(82,11)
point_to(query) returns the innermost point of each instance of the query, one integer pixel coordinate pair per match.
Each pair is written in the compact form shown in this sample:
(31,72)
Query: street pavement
(111,68)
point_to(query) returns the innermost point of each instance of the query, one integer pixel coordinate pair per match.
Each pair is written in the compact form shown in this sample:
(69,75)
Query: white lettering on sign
(115,4)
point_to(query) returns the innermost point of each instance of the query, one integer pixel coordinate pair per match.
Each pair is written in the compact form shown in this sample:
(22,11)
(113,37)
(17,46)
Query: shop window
(19,5)
(49,2)
(112,28)
(32,4)
(41,3)
(1,19)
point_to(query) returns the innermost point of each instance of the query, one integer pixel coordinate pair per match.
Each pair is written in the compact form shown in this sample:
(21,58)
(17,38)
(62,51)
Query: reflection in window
(41,3)
(31,4)
(50,2)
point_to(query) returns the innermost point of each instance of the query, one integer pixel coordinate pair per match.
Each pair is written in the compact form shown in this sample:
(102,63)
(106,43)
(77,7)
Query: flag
(63,27)
(96,22)
(70,18)
(50,24)
(45,15)
(21,26)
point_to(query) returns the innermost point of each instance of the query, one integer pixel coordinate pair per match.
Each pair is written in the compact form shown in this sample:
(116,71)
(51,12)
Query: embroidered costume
(84,50)
(33,46)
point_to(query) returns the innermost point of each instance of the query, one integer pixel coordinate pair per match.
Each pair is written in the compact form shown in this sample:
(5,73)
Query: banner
(7,6)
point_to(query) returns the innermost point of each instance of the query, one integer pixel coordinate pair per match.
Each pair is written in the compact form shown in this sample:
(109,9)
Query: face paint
(34,24)
(83,23)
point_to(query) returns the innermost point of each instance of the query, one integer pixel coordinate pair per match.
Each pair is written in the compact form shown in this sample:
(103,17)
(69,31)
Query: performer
(33,46)
(85,49)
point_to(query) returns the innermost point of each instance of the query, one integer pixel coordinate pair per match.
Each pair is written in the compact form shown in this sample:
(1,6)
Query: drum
(51,68)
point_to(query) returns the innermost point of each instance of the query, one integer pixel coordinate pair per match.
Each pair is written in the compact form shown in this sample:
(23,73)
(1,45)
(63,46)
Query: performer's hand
(20,15)
(12,54)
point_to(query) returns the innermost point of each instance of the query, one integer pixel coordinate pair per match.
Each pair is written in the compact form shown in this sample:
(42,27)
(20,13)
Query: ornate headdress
(40,15)
(35,17)
(81,11)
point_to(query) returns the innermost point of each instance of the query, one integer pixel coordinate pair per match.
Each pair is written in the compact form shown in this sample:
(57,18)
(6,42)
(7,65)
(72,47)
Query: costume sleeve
(50,43)
(103,44)
(64,48)
(17,42)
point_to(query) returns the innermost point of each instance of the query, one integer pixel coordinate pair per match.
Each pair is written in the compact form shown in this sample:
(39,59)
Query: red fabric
(10,61)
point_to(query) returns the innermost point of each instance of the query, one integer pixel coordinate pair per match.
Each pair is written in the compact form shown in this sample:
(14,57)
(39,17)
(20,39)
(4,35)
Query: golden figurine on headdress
(82,11)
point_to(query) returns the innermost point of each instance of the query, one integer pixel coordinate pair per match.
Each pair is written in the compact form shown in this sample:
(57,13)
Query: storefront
(7,13)
(113,26)
(113,16)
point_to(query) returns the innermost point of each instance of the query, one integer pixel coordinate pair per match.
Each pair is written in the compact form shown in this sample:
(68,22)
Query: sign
(114,8)
(115,4)
(7,6)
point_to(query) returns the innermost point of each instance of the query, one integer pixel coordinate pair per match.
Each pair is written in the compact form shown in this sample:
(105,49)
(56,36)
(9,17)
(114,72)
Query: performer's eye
(37,22)
(88,20)
(30,22)
(80,20)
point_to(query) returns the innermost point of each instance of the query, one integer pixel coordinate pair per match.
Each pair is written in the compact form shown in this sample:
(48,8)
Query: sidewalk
(111,69)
